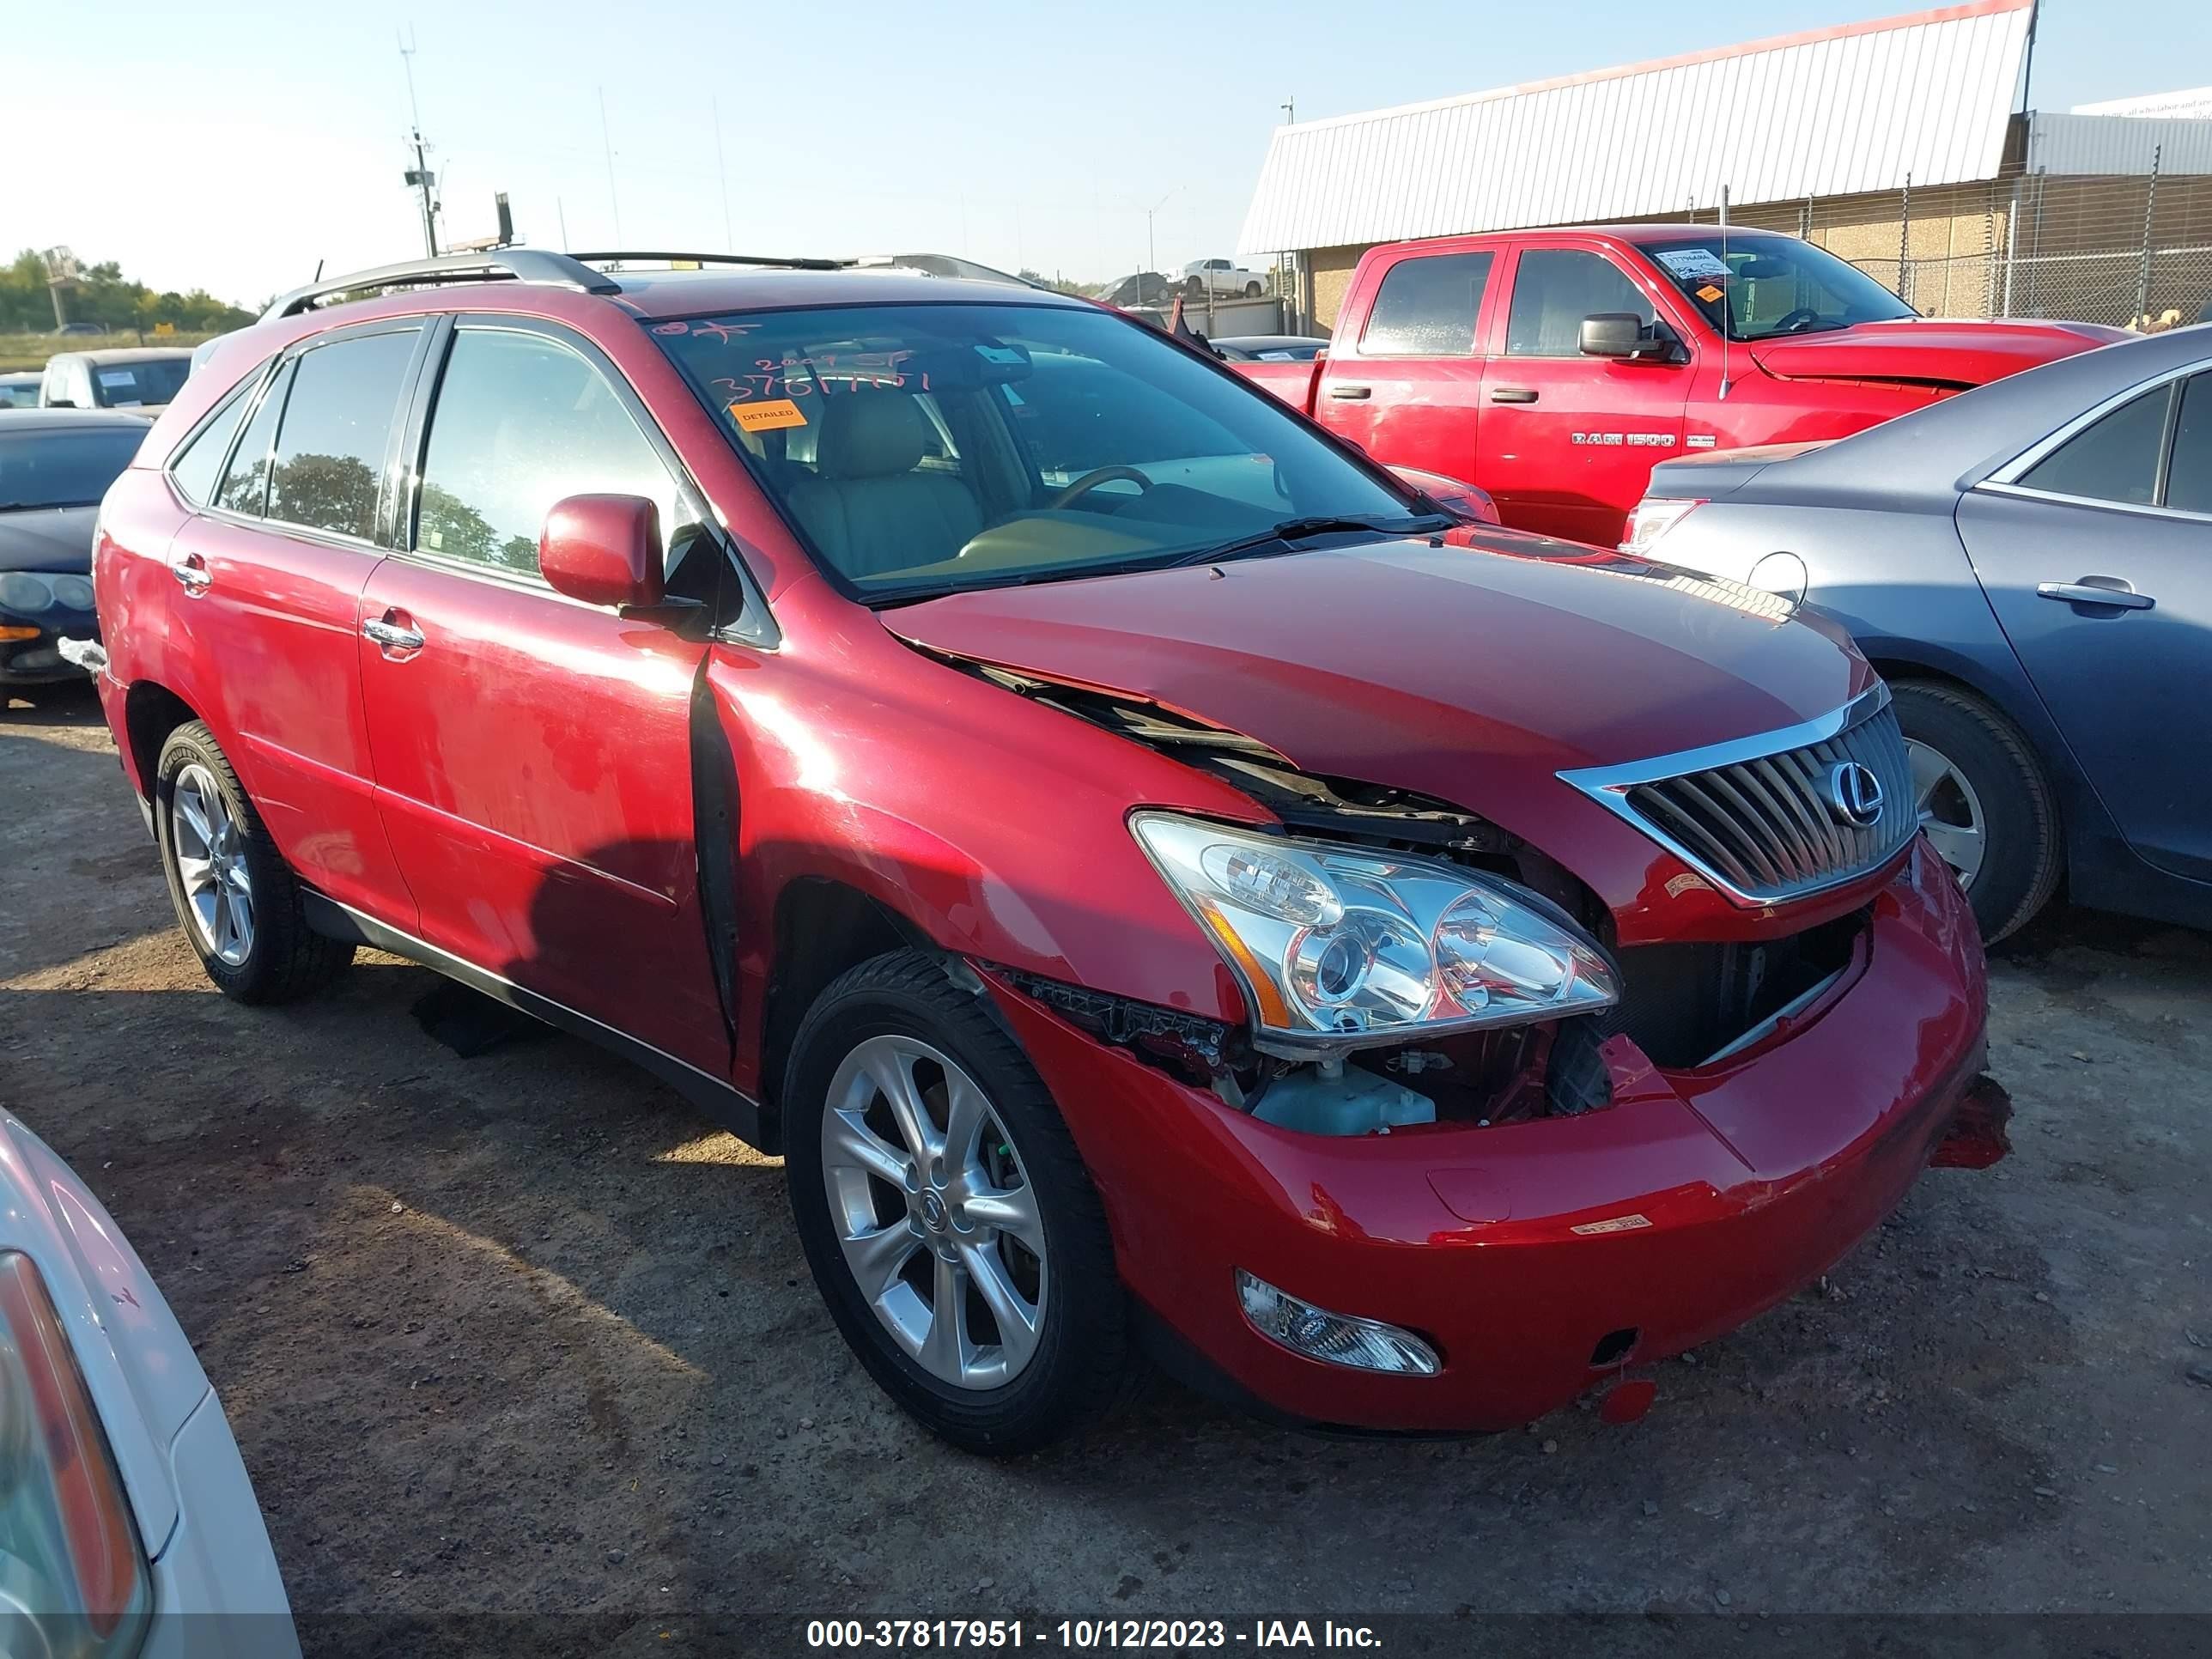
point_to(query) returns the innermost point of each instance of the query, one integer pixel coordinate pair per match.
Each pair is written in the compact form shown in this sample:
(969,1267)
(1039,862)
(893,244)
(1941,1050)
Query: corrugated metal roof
(2117,143)
(1830,113)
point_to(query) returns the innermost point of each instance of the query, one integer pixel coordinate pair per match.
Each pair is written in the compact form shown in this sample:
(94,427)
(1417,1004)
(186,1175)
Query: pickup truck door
(1569,441)
(532,752)
(1401,379)
(2125,507)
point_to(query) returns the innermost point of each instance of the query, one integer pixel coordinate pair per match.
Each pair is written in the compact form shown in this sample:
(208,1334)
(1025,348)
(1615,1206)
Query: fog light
(1365,1345)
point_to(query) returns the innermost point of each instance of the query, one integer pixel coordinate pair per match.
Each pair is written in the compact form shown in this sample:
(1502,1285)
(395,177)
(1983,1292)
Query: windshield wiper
(1289,532)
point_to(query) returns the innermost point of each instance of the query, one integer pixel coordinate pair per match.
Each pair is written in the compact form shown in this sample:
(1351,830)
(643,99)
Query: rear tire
(237,899)
(1251,290)
(1984,802)
(919,1227)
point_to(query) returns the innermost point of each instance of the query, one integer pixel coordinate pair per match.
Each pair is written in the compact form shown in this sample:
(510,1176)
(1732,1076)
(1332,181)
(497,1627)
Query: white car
(1223,277)
(128,1527)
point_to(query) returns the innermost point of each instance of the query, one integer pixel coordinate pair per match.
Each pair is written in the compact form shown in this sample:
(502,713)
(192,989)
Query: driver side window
(1554,289)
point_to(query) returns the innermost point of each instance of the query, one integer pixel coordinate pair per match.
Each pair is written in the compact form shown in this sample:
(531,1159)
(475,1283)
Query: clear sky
(233,146)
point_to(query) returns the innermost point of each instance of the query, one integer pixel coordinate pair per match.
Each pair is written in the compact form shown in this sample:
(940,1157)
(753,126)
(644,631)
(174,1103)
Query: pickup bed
(1552,369)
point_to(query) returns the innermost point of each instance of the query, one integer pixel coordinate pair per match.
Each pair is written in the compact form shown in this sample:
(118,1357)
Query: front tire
(1984,802)
(237,899)
(946,1213)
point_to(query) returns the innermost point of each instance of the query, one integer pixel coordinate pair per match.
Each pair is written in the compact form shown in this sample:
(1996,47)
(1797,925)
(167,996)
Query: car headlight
(1338,948)
(71,593)
(25,594)
(71,1567)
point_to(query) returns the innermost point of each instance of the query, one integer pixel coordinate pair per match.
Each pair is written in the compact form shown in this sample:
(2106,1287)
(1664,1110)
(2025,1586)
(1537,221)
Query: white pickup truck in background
(1223,277)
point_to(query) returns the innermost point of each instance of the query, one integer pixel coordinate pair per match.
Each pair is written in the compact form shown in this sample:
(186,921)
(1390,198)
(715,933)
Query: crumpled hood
(1928,351)
(47,538)
(1472,674)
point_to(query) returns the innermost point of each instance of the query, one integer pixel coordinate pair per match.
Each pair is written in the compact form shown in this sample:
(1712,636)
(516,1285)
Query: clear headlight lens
(72,1571)
(1365,1345)
(25,594)
(73,593)
(1340,949)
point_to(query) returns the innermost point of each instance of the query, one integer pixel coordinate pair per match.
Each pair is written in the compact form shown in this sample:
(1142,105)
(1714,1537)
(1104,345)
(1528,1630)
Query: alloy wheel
(211,854)
(935,1216)
(1950,811)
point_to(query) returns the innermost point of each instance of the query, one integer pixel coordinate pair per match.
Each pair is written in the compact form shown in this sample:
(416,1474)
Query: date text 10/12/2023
(1085,1634)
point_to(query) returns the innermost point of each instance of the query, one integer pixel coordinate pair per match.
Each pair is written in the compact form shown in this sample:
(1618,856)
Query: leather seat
(865,508)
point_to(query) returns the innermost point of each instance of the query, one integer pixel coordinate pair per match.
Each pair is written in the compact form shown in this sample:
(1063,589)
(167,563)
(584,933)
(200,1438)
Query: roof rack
(804,264)
(521,265)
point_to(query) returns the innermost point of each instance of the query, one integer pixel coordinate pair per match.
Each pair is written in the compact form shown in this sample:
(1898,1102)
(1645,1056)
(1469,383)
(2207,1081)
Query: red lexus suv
(1155,878)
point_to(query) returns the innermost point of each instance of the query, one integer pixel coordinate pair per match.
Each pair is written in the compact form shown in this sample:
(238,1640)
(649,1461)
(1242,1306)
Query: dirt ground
(524,1333)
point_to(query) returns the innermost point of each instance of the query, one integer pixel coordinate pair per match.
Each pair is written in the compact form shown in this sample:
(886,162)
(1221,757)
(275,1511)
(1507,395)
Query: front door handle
(1352,394)
(191,570)
(1513,394)
(393,636)
(2096,590)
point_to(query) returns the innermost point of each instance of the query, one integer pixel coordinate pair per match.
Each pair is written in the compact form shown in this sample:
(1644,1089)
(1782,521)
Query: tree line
(103,296)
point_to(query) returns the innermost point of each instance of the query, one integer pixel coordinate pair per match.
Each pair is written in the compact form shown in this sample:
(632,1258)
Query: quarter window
(337,430)
(2114,459)
(1554,289)
(196,468)
(245,483)
(520,422)
(2189,474)
(1426,306)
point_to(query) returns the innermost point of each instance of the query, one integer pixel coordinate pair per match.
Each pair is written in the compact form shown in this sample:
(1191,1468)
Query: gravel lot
(523,1332)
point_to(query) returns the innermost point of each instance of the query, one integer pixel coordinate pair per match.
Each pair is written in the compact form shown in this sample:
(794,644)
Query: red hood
(1472,676)
(1928,351)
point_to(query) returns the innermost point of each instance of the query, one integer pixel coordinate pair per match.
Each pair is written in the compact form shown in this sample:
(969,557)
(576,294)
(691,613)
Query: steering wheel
(1803,316)
(1090,480)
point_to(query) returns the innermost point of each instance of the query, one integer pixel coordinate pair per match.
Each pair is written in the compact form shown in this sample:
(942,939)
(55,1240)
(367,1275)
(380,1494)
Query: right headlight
(1338,948)
(24,594)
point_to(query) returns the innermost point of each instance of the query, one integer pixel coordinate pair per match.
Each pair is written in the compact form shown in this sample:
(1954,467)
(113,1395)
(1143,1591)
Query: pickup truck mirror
(602,549)
(1617,334)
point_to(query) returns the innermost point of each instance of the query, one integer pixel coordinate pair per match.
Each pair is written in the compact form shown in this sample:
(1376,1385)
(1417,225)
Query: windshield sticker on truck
(767,416)
(1688,262)
(1709,292)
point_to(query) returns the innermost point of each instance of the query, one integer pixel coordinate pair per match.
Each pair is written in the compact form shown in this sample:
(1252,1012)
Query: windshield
(133,386)
(1771,285)
(63,469)
(928,448)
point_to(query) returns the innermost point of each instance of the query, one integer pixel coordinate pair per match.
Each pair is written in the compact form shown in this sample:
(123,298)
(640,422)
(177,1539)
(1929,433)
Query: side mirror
(602,549)
(1614,334)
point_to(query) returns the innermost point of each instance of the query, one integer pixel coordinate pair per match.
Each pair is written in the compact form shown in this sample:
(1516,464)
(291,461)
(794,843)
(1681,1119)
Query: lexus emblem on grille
(1855,793)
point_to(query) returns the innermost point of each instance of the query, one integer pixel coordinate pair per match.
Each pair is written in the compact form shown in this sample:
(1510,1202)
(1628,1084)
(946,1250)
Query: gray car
(2030,565)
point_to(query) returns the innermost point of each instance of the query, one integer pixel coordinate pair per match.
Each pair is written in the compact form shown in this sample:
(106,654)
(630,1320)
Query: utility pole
(608,143)
(419,177)
(1290,113)
(1152,250)
(729,235)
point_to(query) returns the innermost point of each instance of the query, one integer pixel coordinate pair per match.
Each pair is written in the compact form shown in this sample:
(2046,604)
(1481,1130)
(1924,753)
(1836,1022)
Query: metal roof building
(1899,144)
(1840,111)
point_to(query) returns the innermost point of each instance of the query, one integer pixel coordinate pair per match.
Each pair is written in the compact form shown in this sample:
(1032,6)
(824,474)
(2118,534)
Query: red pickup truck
(1553,368)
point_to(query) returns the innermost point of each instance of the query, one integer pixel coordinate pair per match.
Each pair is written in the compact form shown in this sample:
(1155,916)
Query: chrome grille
(1766,823)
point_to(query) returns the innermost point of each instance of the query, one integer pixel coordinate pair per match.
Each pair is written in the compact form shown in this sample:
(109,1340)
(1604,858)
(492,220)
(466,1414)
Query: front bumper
(37,661)
(1696,1202)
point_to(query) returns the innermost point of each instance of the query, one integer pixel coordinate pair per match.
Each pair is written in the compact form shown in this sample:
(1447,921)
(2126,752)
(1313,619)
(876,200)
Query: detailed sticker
(1687,262)
(767,416)
(1005,356)
(1701,441)
(1710,293)
(1687,883)
(1619,1224)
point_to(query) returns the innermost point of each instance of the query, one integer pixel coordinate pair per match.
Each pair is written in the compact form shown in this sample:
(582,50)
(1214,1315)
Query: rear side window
(1554,289)
(1426,307)
(335,431)
(520,422)
(2115,459)
(245,482)
(2189,474)
(196,469)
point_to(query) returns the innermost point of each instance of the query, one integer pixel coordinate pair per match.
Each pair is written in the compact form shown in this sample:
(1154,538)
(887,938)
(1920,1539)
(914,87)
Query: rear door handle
(393,636)
(2096,590)
(191,570)
(1352,394)
(1513,394)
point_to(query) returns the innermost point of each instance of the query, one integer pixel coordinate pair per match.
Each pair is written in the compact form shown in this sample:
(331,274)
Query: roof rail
(808,264)
(521,265)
